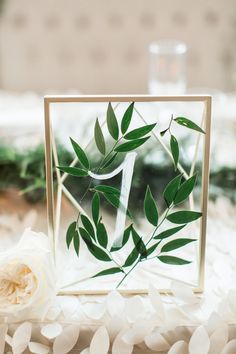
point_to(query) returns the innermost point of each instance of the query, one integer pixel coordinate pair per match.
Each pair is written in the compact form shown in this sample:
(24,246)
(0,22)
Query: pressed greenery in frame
(92,231)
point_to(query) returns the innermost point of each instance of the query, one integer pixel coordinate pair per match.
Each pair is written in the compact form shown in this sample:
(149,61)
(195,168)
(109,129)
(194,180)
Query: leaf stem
(151,238)
(171,120)
(157,227)
(118,265)
(126,274)
(99,168)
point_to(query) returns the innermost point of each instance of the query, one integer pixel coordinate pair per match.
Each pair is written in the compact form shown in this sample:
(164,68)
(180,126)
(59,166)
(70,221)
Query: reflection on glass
(167,67)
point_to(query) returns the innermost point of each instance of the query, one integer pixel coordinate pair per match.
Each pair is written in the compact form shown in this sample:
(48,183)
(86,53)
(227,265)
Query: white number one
(127,168)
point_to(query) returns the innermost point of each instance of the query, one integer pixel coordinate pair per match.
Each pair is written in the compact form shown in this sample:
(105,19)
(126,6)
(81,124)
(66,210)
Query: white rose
(27,278)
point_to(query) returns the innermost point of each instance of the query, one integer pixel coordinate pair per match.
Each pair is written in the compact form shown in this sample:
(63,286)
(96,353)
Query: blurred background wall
(101,46)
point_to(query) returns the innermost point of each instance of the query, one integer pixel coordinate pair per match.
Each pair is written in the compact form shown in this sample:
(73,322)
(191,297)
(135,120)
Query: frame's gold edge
(123,98)
(196,290)
(205,187)
(49,177)
(206,99)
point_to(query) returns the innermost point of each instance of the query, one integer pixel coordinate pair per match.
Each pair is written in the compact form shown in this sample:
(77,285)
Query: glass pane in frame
(145,161)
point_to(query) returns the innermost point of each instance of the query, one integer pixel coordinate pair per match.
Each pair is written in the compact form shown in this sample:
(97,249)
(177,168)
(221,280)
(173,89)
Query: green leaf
(139,132)
(88,225)
(131,145)
(108,272)
(174,244)
(174,146)
(112,124)
(102,235)
(183,217)
(164,131)
(185,190)
(73,171)
(70,233)
(99,138)
(107,189)
(95,207)
(125,239)
(127,118)
(112,199)
(151,249)
(169,232)
(173,260)
(80,154)
(95,250)
(150,208)
(115,202)
(188,123)
(139,244)
(171,190)
(109,161)
(76,242)
(132,257)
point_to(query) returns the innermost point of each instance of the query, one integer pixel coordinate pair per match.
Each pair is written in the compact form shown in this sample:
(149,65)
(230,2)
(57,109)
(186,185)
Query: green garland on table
(24,170)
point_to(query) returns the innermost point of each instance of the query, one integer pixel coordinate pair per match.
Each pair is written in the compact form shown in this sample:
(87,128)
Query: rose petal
(21,337)
(230,347)
(180,347)
(119,346)
(100,342)
(51,330)
(38,348)
(199,342)
(66,341)
(156,301)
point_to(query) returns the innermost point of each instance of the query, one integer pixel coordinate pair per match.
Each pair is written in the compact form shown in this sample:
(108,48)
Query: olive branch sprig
(93,231)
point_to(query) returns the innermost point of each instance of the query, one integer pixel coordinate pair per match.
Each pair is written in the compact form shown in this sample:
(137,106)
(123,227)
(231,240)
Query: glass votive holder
(167,67)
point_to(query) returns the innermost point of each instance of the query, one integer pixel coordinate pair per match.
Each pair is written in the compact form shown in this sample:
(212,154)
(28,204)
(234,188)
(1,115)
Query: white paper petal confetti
(218,339)
(3,332)
(180,347)
(199,342)
(183,292)
(134,308)
(100,342)
(156,302)
(115,303)
(66,340)
(21,338)
(94,312)
(137,333)
(51,330)
(213,323)
(119,346)
(156,341)
(230,347)
(85,351)
(38,348)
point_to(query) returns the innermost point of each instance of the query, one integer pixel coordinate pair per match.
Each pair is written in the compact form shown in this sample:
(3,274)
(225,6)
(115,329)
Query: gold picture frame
(206,121)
